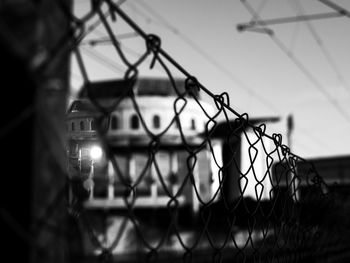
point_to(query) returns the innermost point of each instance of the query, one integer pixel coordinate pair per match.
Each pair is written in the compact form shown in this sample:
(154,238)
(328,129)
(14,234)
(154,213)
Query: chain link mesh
(214,188)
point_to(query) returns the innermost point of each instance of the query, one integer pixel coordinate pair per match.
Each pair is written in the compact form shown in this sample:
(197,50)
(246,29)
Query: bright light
(96,152)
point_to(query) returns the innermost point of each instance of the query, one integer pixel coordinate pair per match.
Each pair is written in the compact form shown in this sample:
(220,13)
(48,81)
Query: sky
(301,70)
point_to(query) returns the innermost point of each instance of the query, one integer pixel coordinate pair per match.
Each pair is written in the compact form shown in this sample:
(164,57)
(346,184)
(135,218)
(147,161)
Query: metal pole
(294,181)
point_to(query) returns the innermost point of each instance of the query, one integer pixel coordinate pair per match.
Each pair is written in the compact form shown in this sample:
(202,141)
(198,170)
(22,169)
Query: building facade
(149,160)
(156,155)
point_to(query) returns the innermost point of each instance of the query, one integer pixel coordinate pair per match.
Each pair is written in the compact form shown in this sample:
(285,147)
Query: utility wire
(317,140)
(106,39)
(205,55)
(103,60)
(127,49)
(102,39)
(96,24)
(118,37)
(285,20)
(256,22)
(298,63)
(255,15)
(336,7)
(324,50)
(170,27)
(165,55)
(259,10)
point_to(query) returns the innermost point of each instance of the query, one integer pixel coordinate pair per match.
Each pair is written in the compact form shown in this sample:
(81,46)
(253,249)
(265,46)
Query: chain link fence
(157,173)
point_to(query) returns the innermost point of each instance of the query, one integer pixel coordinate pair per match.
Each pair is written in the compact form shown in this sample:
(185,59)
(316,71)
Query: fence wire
(161,198)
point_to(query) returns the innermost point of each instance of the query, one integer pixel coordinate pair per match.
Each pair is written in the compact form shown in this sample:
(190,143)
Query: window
(93,125)
(156,121)
(114,122)
(73,126)
(82,125)
(135,124)
(193,124)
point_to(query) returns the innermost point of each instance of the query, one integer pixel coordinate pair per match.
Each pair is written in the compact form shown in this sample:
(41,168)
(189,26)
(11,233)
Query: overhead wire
(340,10)
(103,60)
(97,23)
(286,20)
(240,84)
(224,104)
(259,10)
(298,63)
(169,27)
(305,132)
(106,40)
(178,66)
(101,35)
(127,49)
(93,28)
(323,48)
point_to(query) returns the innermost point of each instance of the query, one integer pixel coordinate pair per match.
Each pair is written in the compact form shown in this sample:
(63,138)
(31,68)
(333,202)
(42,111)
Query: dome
(140,86)
(155,112)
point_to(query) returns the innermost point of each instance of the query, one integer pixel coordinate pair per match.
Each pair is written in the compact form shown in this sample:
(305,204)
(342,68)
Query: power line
(106,61)
(106,39)
(316,139)
(125,48)
(336,7)
(97,23)
(256,22)
(285,20)
(205,55)
(324,50)
(259,9)
(103,39)
(163,53)
(103,60)
(297,62)
(142,34)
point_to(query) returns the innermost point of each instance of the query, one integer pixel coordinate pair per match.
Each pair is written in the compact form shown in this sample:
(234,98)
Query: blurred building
(313,176)
(247,159)
(156,157)
(146,139)
(160,156)
(334,170)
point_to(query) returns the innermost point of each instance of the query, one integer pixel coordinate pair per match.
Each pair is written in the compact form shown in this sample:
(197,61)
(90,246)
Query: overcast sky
(302,69)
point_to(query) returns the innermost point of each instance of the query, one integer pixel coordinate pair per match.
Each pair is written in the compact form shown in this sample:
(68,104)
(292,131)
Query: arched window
(114,122)
(93,125)
(135,123)
(82,125)
(193,124)
(73,126)
(156,121)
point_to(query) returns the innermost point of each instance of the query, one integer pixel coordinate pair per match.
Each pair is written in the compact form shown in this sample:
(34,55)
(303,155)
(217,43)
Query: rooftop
(140,86)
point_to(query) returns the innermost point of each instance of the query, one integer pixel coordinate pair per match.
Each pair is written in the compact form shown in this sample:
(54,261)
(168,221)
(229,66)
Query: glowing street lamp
(95,154)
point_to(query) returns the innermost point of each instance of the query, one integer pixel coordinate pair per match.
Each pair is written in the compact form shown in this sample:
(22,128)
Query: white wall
(256,182)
